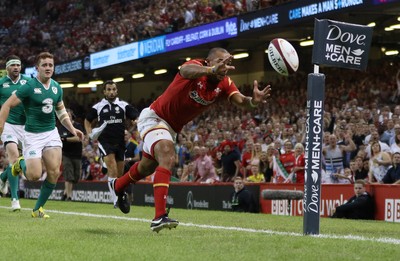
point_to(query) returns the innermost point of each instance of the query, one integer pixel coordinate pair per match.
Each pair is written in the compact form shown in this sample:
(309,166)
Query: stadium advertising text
(113,56)
(152,46)
(392,210)
(321,7)
(315,151)
(202,34)
(68,67)
(253,22)
(341,44)
(280,207)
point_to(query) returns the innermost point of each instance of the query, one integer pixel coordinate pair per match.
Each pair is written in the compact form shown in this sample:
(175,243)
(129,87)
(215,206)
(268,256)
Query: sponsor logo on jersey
(203,96)
(6,85)
(32,153)
(54,89)
(117,110)
(37,91)
(195,96)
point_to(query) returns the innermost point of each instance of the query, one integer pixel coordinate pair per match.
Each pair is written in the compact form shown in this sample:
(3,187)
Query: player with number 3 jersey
(42,101)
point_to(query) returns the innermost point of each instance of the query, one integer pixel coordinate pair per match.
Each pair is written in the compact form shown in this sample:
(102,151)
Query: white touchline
(249,230)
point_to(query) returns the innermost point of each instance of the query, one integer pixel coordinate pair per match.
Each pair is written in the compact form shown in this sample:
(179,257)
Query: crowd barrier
(217,196)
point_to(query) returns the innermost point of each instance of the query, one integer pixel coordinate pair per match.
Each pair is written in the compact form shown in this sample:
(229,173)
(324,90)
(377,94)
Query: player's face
(110,92)
(45,68)
(13,70)
(217,58)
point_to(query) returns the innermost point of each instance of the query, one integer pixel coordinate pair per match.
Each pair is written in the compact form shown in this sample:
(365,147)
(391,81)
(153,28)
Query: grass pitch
(88,231)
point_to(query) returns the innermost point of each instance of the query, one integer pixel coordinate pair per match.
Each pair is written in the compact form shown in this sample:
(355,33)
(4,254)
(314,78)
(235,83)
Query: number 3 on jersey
(48,107)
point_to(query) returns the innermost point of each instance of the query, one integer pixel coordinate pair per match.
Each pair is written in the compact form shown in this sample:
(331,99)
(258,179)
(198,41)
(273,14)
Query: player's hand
(260,96)
(222,67)
(79,134)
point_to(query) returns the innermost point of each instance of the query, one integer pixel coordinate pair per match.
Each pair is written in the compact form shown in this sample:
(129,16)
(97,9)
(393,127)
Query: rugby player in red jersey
(196,87)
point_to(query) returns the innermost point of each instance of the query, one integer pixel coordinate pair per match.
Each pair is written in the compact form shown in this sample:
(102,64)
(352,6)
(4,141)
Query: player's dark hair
(12,57)
(213,51)
(108,82)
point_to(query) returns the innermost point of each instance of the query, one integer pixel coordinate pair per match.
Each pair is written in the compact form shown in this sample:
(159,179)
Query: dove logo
(335,33)
(313,206)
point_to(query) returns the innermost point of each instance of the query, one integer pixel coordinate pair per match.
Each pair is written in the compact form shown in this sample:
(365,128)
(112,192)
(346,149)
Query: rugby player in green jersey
(13,133)
(42,101)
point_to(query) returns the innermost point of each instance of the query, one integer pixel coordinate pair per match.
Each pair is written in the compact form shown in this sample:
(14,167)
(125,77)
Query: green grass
(110,235)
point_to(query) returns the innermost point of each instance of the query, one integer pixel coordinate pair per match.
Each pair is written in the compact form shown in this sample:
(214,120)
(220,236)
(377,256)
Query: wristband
(211,70)
(252,104)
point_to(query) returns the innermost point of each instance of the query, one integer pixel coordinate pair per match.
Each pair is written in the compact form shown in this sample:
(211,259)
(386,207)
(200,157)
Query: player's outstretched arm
(259,96)
(193,71)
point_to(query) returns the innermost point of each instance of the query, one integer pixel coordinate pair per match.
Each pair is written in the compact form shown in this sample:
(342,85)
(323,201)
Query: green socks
(23,166)
(14,183)
(3,176)
(45,192)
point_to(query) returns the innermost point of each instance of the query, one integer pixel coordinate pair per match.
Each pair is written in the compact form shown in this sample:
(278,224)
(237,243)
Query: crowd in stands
(71,29)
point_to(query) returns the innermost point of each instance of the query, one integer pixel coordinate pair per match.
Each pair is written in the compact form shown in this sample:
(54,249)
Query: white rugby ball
(283,57)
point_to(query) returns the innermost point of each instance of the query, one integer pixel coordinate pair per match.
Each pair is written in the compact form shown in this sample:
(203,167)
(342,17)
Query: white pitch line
(394,241)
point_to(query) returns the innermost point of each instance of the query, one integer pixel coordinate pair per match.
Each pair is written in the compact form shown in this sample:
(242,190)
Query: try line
(394,241)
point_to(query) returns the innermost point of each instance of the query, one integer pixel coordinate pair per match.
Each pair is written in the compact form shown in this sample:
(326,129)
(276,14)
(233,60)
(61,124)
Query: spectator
(334,153)
(71,156)
(378,163)
(131,151)
(266,164)
(299,165)
(393,174)
(344,176)
(288,161)
(389,133)
(242,199)
(257,175)
(395,144)
(246,157)
(230,161)
(375,138)
(360,206)
(94,171)
(204,169)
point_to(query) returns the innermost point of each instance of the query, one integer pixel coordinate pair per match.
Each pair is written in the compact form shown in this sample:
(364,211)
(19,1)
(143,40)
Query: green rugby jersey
(39,104)
(7,88)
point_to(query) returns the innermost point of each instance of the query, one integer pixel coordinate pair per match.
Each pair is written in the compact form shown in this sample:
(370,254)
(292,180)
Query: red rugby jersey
(184,99)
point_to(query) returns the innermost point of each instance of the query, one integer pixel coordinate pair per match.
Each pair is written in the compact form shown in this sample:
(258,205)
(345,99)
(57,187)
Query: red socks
(160,187)
(132,176)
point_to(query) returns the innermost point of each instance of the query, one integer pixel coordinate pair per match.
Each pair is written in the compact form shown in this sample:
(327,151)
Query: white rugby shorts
(152,129)
(13,133)
(36,143)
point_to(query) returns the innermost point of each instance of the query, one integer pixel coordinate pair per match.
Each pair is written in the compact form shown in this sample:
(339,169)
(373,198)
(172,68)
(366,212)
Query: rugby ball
(283,57)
